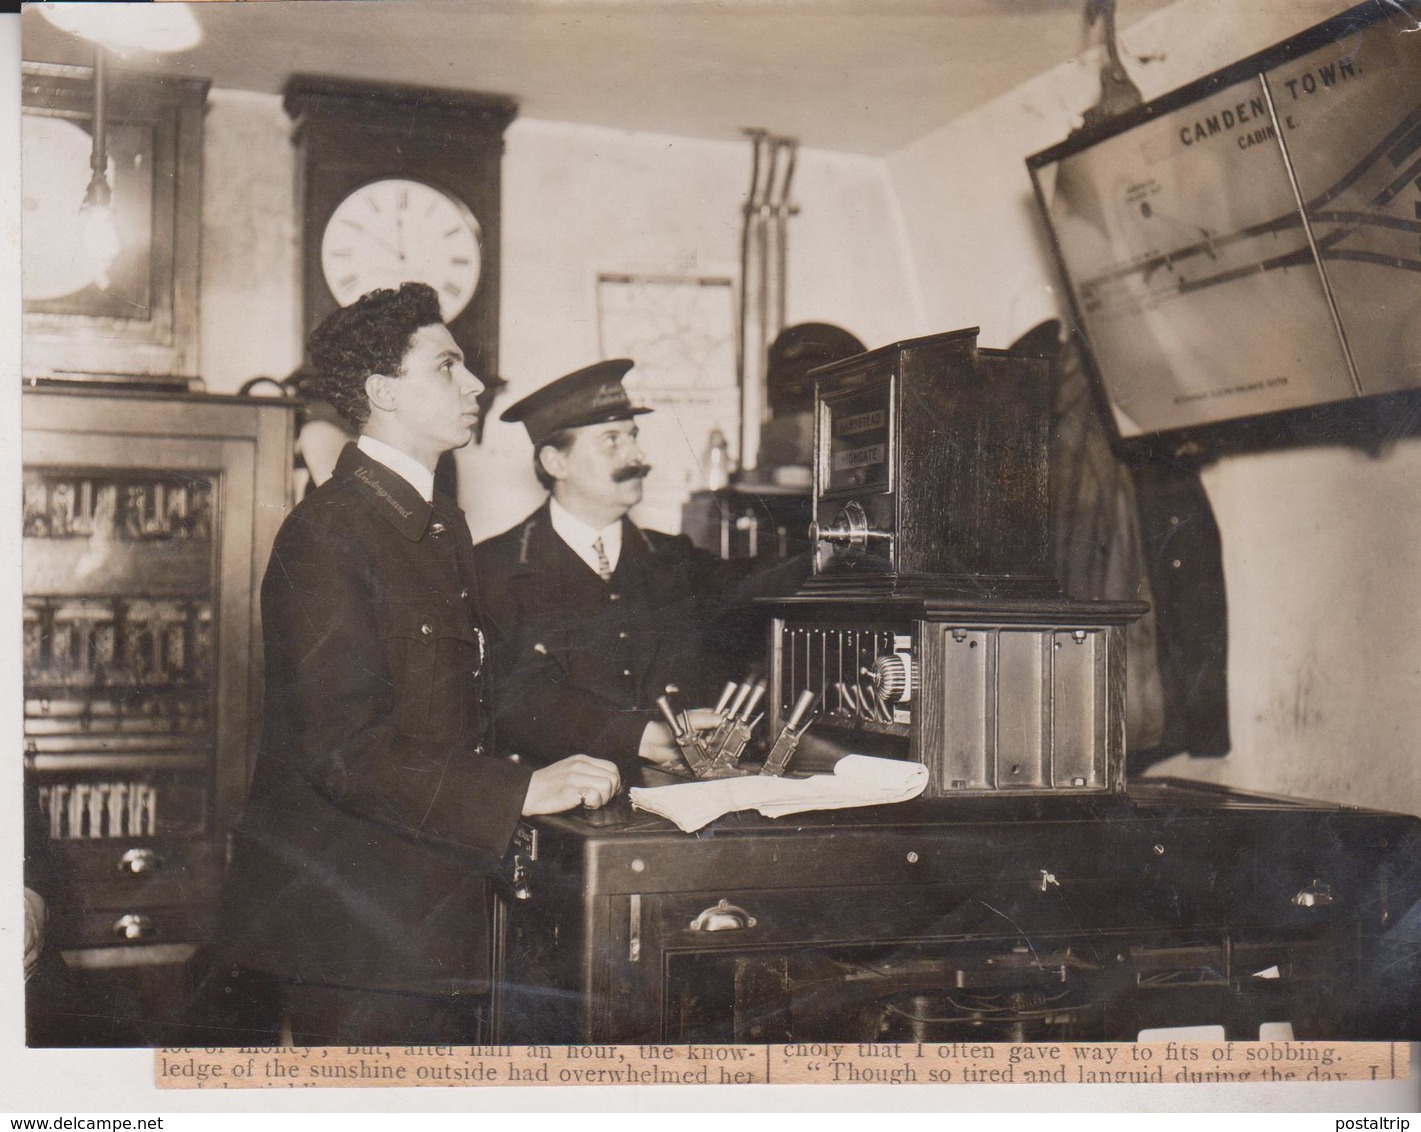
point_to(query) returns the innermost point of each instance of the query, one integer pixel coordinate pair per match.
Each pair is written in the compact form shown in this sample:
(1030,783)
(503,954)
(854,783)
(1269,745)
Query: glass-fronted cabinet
(147,524)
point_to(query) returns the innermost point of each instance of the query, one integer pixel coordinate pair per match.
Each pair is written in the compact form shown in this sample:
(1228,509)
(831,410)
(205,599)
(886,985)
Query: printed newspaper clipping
(823,1063)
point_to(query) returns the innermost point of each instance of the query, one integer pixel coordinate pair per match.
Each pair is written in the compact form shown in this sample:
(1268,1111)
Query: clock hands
(367,243)
(374,238)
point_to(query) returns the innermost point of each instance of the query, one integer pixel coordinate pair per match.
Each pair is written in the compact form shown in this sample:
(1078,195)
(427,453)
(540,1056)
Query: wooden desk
(996,919)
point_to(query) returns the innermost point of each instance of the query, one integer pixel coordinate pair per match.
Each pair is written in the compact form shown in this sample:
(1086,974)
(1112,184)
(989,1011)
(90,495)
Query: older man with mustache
(595,617)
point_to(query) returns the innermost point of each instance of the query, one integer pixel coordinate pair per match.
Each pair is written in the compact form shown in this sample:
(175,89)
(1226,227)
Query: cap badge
(611,393)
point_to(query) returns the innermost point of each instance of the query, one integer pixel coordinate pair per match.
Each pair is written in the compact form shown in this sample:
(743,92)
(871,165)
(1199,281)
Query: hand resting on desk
(578,780)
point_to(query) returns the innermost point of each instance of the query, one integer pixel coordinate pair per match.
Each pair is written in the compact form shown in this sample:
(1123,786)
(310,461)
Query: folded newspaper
(858,780)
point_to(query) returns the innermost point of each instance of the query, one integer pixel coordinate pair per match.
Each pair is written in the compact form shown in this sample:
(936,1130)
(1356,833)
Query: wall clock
(399,183)
(396,229)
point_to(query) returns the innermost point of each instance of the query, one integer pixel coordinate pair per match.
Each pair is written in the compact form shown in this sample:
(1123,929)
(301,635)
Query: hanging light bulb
(158,28)
(98,228)
(98,231)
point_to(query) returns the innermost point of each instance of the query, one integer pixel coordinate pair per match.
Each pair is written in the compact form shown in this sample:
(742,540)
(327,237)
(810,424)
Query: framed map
(680,332)
(1251,243)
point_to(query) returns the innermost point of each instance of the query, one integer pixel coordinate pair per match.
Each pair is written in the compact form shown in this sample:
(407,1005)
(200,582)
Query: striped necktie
(604,568)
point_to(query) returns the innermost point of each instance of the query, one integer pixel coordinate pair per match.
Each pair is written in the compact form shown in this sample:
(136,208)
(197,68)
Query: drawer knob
(137,862)
(723,917)
(133,925)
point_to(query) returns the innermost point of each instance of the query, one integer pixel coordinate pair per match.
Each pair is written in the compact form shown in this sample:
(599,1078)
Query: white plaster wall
(1322,560)
(979,249)
(251,313)
(1322,547)
(580,201)
(849,250)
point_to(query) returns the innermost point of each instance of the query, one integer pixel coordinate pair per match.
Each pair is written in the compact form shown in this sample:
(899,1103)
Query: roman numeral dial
(396,230)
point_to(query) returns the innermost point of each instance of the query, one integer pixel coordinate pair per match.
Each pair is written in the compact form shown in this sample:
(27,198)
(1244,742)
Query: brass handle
(851,527)
(856,537)
(133,925)
(801,709)
(723,917)
(1314,895)
(139,861)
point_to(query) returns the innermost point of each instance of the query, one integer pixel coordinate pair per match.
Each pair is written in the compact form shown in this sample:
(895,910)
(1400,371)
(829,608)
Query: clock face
(396,230)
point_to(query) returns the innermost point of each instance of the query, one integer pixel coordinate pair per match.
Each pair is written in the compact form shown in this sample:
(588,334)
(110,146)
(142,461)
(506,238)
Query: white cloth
(858,780)
(403,465)
(581,536)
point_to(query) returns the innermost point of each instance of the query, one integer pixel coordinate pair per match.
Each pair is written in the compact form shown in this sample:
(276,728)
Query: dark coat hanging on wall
(1144,531)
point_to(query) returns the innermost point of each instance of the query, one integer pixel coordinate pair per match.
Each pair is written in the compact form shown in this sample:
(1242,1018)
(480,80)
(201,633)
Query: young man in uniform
(378,811)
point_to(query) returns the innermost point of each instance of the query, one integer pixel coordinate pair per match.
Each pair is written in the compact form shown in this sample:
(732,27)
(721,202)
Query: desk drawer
(132,925)
(121,871)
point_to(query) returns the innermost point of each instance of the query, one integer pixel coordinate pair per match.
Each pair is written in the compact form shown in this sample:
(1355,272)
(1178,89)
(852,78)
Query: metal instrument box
(991,696)
(932,628)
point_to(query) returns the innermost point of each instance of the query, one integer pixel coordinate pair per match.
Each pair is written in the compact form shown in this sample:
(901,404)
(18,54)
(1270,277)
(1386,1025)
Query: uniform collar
(537,540)
(580,535)
(388,492)
(404,465)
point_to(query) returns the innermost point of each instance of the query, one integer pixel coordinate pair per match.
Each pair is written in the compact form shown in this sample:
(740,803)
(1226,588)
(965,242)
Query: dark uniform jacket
(580,661)
(377,810)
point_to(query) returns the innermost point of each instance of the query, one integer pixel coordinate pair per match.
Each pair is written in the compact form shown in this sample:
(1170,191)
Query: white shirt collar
(580,536)
(405,466)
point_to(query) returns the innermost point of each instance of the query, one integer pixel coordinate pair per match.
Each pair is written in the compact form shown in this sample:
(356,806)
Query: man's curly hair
(370,336)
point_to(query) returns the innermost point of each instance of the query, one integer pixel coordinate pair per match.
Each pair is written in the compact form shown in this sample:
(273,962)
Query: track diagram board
(1256,247)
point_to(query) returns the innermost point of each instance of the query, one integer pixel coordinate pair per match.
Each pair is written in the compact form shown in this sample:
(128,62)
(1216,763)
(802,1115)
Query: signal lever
(788,742)
(737,736)
(687,741)
(716,753)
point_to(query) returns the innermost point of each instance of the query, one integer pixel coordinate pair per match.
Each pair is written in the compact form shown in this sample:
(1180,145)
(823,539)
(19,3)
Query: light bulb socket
(99,194)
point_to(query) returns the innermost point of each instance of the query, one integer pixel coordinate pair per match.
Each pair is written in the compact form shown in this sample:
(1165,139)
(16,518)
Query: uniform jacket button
(622,636)
(626,671)
(464,594)
(426,628)
(614,597)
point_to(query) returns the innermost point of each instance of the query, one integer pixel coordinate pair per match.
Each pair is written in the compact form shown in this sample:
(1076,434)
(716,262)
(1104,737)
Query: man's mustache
(631,472)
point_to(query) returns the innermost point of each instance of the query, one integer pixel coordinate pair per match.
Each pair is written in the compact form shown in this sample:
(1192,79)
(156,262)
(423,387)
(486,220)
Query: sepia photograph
(844,532)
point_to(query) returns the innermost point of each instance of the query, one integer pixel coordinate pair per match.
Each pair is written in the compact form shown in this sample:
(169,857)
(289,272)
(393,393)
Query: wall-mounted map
(1252,243)
(680,331)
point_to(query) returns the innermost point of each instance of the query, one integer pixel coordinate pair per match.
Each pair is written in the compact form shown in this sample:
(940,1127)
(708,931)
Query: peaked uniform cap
(591,395)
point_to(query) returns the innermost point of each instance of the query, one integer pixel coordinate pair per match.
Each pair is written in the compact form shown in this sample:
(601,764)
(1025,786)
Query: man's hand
(659,748)
(578,780)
